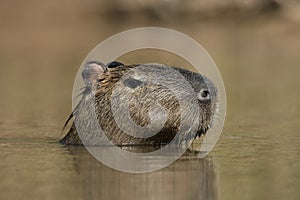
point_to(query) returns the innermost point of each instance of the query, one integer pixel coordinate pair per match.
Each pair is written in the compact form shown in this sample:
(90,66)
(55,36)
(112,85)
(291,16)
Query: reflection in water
(187,178)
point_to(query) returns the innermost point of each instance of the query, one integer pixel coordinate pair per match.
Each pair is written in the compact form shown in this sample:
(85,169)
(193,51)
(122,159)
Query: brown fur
(143,98)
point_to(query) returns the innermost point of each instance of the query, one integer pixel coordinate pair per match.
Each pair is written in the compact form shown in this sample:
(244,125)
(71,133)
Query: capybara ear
(114,64)
(93,70)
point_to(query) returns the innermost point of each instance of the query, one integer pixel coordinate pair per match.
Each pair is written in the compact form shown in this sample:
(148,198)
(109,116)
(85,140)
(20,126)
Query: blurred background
(255,43)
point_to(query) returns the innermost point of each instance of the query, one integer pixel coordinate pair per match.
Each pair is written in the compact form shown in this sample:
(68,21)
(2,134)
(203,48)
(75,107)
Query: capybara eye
(132,83)
(204,94)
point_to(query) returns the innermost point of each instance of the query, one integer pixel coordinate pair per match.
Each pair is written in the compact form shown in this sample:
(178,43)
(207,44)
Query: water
(257,156)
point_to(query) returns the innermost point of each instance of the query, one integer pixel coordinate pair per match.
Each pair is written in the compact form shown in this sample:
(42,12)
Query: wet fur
(140,104)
